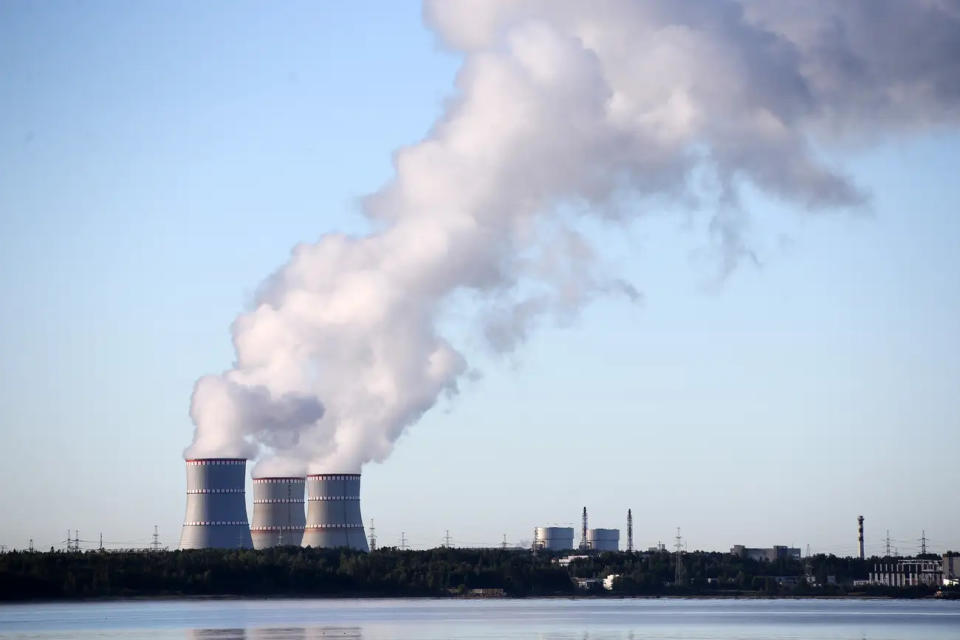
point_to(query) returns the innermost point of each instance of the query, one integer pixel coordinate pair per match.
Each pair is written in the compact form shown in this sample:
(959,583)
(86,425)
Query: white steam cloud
(558,104)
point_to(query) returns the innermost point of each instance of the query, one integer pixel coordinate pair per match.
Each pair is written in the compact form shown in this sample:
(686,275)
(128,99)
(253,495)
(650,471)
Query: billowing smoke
(562,109)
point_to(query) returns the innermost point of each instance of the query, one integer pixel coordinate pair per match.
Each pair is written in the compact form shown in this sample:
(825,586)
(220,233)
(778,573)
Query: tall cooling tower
(216,505)
(333,512)
(278,518)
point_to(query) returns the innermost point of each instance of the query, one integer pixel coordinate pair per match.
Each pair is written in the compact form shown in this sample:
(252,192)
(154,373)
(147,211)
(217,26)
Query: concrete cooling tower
(278,518)
(603,539)
(216,505)
(333,512)
(554,538)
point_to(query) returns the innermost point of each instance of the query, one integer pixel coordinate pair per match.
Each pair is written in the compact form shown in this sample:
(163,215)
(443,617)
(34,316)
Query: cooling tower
(554,538)
(333,512)
(216,505)
(278,518)
(603,539)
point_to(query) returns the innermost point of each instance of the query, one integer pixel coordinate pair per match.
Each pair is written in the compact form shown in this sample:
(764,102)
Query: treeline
(292,571)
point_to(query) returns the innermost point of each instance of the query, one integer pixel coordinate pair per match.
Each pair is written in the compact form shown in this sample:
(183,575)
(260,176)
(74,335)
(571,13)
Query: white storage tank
(554,538)
(603,539)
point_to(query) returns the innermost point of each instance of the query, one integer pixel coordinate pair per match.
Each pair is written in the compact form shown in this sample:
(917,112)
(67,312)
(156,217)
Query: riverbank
(439,573)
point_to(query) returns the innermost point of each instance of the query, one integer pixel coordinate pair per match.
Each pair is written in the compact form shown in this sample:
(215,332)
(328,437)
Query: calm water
(484,620)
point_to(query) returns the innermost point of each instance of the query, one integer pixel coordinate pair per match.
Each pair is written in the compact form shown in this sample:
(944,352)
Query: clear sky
(159,160)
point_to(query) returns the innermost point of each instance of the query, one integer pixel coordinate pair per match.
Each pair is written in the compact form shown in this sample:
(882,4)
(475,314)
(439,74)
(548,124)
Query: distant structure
(603,539)
(373,536)
(553,538)
(216,505)
(584,545)
(629,531)
(278,518)
(333,512)
(908,572)
(951,570)
(771,554)
(860,534)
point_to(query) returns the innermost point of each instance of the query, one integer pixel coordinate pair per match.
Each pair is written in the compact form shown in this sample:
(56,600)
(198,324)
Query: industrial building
(553,538)
(603,539)
(771,554)
(216,515)
(333,512)
(951,570)
(278,515)
(908,572)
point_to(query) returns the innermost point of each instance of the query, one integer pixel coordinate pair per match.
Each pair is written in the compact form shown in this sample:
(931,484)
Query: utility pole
(679,547)
(923,542)
(373,536)
(583,532)
(888,543)
(629,531)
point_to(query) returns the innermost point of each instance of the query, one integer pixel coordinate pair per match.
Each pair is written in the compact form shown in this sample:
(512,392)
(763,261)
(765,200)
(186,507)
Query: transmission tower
(403,541)
(446,539)
(101,541)
(31,545)
(923,542)
(679,547)
(629,531)
(583,533)
(888,544)
(504,542)
(155,545)
(373,536)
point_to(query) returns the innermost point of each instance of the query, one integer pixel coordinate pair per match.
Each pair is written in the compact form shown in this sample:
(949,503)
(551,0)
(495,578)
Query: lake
(541,619)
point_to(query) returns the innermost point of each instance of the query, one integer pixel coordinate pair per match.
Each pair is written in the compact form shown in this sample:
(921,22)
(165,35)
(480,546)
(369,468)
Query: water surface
(541,619)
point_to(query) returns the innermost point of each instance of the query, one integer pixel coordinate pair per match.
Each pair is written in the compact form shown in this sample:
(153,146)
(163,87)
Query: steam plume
(558,103)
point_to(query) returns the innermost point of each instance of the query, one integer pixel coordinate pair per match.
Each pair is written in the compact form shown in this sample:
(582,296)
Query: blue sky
(158,161)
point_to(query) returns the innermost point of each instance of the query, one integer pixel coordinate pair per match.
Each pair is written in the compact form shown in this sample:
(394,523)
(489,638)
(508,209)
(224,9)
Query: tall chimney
(333,512)
(278,518)
(216,505)
(860,531)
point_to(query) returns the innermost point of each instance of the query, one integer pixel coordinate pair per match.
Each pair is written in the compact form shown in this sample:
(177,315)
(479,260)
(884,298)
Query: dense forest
(292,571)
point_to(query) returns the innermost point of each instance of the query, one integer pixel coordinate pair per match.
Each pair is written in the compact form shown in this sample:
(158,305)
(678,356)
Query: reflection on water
(532,619)
(277,633)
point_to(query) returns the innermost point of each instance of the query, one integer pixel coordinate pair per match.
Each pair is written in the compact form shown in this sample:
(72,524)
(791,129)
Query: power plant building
(278,515)
(553,538)
(603,539)
(333,512)
(768,554)
(216,515)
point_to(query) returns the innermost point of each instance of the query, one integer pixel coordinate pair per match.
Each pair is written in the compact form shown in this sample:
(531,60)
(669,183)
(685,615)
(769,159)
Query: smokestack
(583,532)
(216,505)
(278,518)
(860,531)
(333,512)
